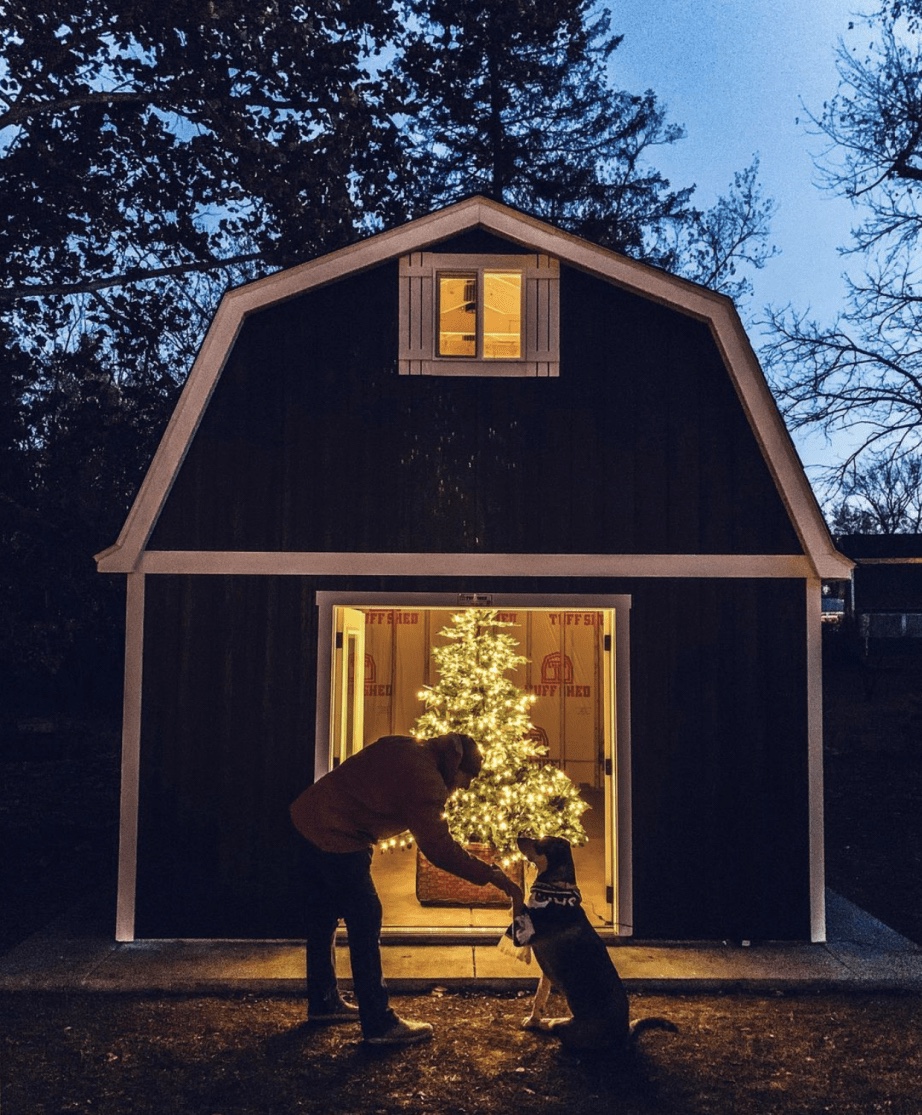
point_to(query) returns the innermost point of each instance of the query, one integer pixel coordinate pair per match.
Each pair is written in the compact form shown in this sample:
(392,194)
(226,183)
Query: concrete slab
(848,924)
(491,964)
(862,954)
(57,957)
(174,966)
(896,972)
(731,966)
(430,963)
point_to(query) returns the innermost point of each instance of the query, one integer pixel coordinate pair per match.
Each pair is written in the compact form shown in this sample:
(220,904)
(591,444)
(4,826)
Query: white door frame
(621,832)
(347,723)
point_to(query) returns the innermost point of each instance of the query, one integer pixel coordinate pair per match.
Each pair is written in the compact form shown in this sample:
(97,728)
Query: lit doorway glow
(375,656)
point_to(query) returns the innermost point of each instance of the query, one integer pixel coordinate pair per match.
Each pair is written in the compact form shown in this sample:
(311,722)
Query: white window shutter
(542,316)
(417,314)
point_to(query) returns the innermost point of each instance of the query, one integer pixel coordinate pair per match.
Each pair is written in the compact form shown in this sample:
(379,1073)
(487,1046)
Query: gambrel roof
(716,310)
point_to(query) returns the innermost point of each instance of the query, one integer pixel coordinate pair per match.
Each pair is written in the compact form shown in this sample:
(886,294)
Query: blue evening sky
(737,74)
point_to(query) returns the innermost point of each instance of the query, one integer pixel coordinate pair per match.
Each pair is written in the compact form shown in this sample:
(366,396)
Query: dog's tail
(640,1024)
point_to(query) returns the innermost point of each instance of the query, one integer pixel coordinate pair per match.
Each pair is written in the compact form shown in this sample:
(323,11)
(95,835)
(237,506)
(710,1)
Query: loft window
(478,315)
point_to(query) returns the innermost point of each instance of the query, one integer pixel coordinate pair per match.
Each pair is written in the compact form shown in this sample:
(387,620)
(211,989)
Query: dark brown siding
(313,442)
(719,751)
(888,588)
(719,718)
(227,743)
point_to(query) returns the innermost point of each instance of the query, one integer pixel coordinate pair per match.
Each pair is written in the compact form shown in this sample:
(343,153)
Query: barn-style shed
(477,410)
(884,599)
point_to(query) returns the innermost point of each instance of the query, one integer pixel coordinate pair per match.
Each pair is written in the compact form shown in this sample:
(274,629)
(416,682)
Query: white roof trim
(679,294)
(330,564)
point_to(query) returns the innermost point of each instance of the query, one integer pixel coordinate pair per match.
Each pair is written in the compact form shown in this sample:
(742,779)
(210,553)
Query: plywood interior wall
(564,671)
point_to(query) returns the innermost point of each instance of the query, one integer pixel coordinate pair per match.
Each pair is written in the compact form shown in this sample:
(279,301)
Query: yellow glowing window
(502,315)
(484,315)
(457,315)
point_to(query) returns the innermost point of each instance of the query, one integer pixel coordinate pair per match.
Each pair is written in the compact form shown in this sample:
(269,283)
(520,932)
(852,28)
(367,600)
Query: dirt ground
(733,1055)
(847,1053)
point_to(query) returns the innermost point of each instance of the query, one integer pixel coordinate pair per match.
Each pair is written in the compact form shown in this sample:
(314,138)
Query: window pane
(502,315)
(457,315)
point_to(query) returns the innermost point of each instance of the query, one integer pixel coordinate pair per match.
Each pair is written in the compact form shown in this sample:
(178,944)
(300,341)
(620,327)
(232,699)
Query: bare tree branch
(126,278)
(862,374)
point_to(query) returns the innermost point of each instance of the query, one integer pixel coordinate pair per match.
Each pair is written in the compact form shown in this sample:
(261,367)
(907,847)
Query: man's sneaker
(403,1032)
(333,1014)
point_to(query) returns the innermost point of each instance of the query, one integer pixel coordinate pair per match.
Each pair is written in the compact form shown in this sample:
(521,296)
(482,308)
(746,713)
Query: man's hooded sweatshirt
(394,784)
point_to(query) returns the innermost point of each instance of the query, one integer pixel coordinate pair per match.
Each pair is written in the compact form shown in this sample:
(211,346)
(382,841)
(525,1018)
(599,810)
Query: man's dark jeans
(339,885)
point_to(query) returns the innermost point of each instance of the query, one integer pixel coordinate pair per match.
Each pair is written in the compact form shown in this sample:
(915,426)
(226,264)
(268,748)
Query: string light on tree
(515,794)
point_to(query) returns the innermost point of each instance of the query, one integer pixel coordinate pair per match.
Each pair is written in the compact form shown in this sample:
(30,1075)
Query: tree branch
(46,290)
(901,169)
(21,112)
(166,98)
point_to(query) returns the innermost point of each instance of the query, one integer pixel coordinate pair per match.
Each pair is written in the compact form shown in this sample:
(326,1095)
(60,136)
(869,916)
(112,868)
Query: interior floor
(395,878)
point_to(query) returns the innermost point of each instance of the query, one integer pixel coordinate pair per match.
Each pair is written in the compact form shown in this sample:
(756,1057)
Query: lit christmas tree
(514,794)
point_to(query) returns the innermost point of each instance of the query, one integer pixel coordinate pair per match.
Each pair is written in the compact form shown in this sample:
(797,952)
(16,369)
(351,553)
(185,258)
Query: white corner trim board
(815,805)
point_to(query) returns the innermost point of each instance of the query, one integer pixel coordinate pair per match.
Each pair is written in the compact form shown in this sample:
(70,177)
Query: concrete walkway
(861,954)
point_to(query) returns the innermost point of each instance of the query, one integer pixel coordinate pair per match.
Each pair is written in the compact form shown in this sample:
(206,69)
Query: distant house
(477,409)
(885,595)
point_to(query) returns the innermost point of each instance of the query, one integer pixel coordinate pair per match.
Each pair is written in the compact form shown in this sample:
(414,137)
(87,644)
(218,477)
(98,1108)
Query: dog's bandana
(554,894)
(515,940)
(517,937)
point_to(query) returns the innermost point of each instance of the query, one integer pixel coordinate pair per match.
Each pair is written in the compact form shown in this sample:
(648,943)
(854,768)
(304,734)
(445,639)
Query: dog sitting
(572,958)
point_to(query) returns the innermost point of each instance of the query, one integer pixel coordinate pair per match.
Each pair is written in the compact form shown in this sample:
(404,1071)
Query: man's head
(459,759)
(471,762)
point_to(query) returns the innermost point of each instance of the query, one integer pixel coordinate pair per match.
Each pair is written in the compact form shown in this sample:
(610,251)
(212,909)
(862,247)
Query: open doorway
(376,656)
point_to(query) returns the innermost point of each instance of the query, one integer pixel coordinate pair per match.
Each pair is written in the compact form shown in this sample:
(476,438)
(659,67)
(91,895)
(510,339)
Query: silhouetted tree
(147,140)
(150,154)
(884,496)
(514,101)
(862,373)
